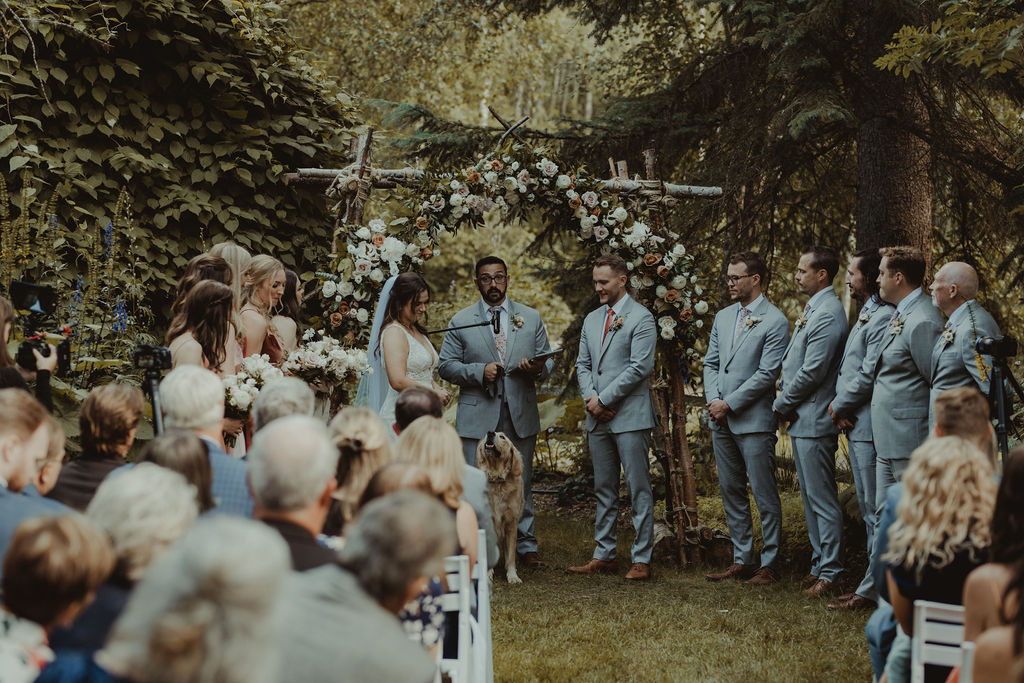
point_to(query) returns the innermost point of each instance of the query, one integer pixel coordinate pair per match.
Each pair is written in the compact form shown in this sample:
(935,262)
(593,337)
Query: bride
(400,353)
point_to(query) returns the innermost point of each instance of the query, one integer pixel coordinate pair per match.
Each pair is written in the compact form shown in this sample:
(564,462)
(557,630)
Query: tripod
(151,382)
(999,400)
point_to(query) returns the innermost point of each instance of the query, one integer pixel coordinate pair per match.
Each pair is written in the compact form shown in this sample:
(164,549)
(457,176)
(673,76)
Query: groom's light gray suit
(953,362)
(616,370)
(853,401)
(899,402)
(809,370)
(742,370)
(509,404)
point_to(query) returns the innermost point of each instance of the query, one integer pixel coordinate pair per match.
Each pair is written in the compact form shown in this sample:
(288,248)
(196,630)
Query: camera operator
(12,375)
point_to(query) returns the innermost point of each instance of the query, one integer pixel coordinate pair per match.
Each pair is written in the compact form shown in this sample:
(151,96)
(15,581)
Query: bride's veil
(374,384)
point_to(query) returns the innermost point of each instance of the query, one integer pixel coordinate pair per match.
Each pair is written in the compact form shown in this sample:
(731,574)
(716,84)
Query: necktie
(949,324)
(499,337)
(741,323)
(607,324)
(807,309)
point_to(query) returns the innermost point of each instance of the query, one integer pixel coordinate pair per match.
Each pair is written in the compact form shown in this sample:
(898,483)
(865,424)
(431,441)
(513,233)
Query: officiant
(497,367)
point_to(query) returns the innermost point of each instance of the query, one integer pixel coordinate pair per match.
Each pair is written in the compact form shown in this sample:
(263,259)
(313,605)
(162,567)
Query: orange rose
(652,259)
(377,240)
(671,295)
(497,165)
(596,211)
(421,222)
(349,339)
(336,319)
(663,271)
(575,203)
(472,177)
(343,308)
(686,315)
(426,253)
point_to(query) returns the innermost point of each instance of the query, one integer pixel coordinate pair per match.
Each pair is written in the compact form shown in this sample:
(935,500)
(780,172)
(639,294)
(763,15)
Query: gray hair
(290,463)
(282,397)
(205,612)
(144,510)
(396,540)
(192,398)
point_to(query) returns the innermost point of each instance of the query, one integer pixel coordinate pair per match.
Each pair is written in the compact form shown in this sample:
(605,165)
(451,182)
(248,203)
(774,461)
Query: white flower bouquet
(324,363)
(242,388)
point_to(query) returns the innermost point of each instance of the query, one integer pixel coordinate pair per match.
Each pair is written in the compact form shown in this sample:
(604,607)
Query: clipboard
(544,356)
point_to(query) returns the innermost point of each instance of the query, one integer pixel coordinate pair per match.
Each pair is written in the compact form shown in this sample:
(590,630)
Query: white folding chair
(483,657)
(938,633)
(966,662)
(456,599)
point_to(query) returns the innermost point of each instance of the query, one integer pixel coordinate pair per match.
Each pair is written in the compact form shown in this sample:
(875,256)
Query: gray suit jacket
(953,363)
(474,492)
(743,372)
(810,367)
(329,629)
(903,369)
(463,356)
(857,369)
(617,370)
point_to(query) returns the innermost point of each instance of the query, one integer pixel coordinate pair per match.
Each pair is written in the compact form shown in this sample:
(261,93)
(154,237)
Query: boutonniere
(864,318)
(948,335)
(617,323)
(517,321)
(897,326)
(753,320)
(801,322)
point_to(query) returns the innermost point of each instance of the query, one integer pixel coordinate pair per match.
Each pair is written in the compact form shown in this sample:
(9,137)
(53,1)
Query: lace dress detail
(419,367)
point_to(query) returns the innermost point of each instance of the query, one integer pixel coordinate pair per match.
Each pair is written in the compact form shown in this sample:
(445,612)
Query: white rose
(330,289)
(364,233)
(412,250)
(701,308)
(648,281)
(572,194)
(580,213)
(667,333)
(693,279)
(377,225)
(456,199)
(454,185)
(377,275)
(699,323)
(548,167)
(345,288)
(635,282)
(601,233)
(620,214)
(590,199)
(514,166)
(562,182)
(363,267)
(678,282)
(629,265)
(661,291)
(698,289)
(490,177)
(362,316)
(679,251)
(338,299)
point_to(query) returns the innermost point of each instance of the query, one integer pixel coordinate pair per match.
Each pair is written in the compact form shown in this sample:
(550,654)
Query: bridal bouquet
(241,389)
(324,363)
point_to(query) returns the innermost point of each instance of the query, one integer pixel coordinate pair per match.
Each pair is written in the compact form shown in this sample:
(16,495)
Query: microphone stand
(494,323)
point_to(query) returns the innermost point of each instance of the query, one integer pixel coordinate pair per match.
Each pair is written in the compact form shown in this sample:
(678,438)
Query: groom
(498,377)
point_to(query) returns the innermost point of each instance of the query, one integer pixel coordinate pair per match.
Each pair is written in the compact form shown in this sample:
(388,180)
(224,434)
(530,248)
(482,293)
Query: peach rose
(336,319)
(377,240)
(652,259)
(671,295)
(343,308)
(421,222)
(596,211)
(349,339)
(497,165)
(426,253)
(575,203)
(472,177)
(686,315)
(663,271)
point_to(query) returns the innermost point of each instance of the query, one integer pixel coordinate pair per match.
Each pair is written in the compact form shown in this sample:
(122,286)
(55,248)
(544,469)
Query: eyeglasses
(487,279)
(733,279)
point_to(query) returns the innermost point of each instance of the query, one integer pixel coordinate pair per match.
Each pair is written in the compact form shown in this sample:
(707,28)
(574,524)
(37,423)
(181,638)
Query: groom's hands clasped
(601,413)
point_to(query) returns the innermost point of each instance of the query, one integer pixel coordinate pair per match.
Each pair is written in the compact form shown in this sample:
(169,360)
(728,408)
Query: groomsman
(809,370)
(741,367)
(955,363)
(615,360)
(903,370)
(851,407)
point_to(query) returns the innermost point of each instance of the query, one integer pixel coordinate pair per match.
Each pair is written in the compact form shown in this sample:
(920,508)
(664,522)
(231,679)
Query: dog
(501,461)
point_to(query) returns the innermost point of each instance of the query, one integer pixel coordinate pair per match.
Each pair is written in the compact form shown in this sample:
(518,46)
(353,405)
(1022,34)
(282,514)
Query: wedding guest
(942,532)
(364,447)
(287,312)
(262,288)
(434,445)
(108,420)
(999,653)
(183,452)
(14,376)
(339,622)
(193,399)
(291,474)
(51,569)
(988,599)
(143,510)
(202,267)
(205,611)
(48,471)
(203,334)
(396,476)
(280,398)
(238,259)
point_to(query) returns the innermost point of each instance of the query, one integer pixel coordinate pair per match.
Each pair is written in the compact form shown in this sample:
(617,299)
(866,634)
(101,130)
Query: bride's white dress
(419,367)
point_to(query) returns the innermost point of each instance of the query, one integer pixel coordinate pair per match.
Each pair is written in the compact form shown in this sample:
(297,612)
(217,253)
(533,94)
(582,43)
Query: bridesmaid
(262,288)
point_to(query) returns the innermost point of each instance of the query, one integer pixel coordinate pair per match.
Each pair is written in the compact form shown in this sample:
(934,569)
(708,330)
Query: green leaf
(17,162)
(8,130)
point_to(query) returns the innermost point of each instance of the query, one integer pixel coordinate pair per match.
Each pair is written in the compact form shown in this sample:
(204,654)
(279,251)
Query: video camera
(151,357)
(997,347)
(40,302)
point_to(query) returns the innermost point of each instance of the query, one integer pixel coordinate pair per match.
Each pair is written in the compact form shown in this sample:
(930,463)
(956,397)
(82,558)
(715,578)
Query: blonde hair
(434,444)
(239,259)
(363,447)
(949,495)
(261,269)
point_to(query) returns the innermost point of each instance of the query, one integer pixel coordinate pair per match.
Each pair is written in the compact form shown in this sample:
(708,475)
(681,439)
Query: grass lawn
(677,627)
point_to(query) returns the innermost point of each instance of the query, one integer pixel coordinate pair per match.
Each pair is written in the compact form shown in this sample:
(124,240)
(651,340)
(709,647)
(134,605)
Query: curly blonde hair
(364,447)
(949,495)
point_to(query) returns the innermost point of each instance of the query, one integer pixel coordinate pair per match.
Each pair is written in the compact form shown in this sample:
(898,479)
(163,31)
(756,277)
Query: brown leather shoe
(736,571)
(852,604)
(845,596)
(595,566)
(808,580)
(532,560)
(821,588)
(765,576)
(640,571)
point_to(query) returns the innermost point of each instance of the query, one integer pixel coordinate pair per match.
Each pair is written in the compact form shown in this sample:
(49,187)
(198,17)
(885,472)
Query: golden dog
(502,463)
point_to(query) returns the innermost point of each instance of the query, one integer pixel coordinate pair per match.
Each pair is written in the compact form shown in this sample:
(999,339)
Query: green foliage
(197,107)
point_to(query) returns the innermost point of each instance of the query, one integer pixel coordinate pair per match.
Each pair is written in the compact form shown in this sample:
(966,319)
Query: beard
(492,295)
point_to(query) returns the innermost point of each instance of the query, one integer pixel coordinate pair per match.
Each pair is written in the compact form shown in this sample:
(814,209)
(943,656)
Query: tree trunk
(894,185)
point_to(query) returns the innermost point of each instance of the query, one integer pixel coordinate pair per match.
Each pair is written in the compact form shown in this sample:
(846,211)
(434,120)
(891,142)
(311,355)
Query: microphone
(496,322)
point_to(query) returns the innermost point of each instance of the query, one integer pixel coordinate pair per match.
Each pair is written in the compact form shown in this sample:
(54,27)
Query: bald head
(955,283)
